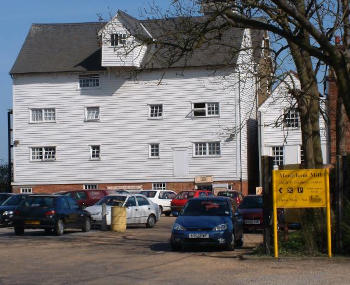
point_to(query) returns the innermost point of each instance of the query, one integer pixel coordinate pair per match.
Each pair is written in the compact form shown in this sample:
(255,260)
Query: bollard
(118,219)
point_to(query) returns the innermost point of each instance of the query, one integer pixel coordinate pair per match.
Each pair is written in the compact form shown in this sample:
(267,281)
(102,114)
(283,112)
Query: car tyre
(231,245)
(19,231)
(175,246)
(239,242)
(167,214)
(59,230)
(151,221)
(86,225)
(48,231)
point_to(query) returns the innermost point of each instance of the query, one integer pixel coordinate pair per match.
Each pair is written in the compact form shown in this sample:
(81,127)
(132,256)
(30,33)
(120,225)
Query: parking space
(142,256)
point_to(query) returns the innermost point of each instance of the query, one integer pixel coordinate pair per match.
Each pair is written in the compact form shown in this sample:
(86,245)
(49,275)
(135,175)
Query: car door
(75,215)
(132,211)
(145,208)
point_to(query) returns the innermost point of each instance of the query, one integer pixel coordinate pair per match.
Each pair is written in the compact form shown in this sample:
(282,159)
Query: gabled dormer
(123,41)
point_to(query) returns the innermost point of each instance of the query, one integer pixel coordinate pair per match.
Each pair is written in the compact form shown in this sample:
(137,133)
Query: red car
(181,199)
(251,209)
(86,198)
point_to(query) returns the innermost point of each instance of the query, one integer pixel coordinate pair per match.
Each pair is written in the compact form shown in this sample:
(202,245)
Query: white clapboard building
(280,128)
(111,105)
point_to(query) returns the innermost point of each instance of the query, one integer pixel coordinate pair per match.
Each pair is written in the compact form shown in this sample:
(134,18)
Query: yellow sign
(304,188)
(307,188)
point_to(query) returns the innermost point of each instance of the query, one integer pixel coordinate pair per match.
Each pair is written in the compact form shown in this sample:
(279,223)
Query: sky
(16,17)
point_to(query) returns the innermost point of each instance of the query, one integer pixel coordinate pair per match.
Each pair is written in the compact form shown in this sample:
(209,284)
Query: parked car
(8,207)
(139,209)
(182,198)
(237,196)
(208,221)
(4,196)
(53,213)
(86,198)
(251,209)
(162,198)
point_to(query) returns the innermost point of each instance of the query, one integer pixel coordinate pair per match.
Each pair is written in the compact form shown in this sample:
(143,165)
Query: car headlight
(178,227)
(221,227)
(7,213)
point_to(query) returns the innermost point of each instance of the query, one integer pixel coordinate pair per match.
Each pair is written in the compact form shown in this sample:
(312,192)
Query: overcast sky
(16,17)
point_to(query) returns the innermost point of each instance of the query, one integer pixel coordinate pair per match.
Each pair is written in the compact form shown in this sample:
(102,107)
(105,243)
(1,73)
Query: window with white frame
(154,150)
(92,113)
(156,111)
(205,109)
(90,186)
(89,81)
(277,154)
(43,153)
(95,152)
(42,115)
(26,190)
(118,39)
(159,186)
(207,149)
(302,155)
(291,118)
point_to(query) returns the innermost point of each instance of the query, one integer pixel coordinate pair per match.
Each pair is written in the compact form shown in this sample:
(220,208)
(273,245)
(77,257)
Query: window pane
(156,111)
(37,153)
(214,148)
(90,186)
(114,40)
(159,186)
(37,115)
(92,113)
(277,153)
(291,118)
(200,149)
(199,110)
(50,153)
(95,151)
(154,150)
(88,81)
(213,109)
(49,114)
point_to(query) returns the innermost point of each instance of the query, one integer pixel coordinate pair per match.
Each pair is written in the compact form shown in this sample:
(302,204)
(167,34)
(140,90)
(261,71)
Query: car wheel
(86,225)
(231,245)
(175,246)
(19,231)
(167,214)
(59,230)
(151,221)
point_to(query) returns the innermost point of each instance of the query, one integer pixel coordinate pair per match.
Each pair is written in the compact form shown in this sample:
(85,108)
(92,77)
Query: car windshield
(228,194)
(3,198)
(39,201)
(251,202)
(13,200)
(112,201)
(206,208)
(149,194)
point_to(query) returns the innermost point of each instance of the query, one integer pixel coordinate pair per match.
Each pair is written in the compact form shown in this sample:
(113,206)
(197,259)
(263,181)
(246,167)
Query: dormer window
(118,39)
(89,81)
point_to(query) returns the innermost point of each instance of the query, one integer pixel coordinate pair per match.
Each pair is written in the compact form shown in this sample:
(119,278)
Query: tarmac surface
(143,256)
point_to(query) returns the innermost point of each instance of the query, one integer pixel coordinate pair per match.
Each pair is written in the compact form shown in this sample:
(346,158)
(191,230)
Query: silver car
(139,209)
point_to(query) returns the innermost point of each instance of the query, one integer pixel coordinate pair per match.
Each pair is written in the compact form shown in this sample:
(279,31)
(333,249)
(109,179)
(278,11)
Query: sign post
(305,188)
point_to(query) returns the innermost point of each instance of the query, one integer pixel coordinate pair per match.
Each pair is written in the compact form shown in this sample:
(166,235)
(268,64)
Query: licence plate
(198,235)
(30,222)
(252,222)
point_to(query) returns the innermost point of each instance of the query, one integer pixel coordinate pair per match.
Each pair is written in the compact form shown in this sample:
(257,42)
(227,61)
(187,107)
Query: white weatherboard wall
(124,130)
(273,134)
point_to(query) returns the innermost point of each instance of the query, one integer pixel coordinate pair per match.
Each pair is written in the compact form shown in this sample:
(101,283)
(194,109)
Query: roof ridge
(66,24)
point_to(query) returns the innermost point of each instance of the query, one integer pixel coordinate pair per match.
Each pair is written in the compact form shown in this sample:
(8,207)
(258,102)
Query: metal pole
(9,137)
(275,233)
(329,236)
(339,202)
(104,217)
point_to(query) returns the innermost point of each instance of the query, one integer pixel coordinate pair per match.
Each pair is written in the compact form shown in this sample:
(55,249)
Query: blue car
(208,221)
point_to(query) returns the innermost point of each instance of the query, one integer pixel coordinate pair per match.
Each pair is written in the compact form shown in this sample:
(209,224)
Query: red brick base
(176,186)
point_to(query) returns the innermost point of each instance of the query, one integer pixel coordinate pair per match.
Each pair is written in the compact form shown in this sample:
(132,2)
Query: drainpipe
(240,126)
(9,142)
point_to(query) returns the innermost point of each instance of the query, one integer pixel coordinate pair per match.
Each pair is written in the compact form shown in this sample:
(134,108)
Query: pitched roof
(59,48)
(75,47)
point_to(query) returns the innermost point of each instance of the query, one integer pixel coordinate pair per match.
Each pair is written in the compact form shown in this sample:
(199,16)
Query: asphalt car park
(144,256)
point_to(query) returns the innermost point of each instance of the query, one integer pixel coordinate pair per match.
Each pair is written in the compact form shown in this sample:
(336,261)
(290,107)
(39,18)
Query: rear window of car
(166,195)
(96,194)
(81,195)
(3,198)
(251,202)
(142,201)
(13,200)
(149,194)
(206,208)
(112,200)
(42,202)
(228,194)
(185,195)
